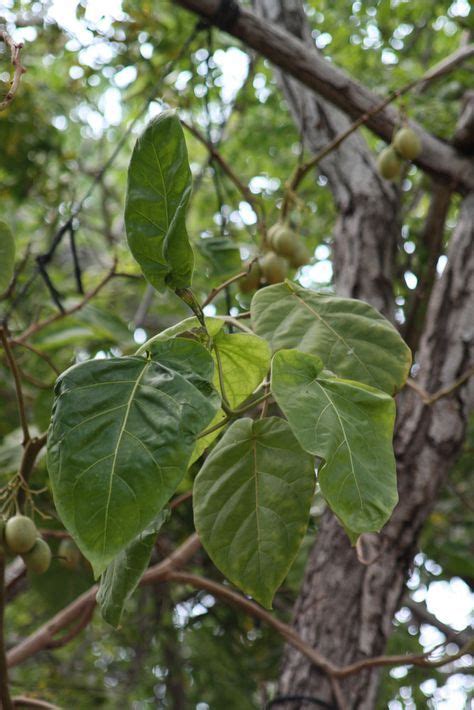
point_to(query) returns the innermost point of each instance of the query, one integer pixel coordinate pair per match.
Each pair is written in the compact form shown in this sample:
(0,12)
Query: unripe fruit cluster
(405,146)
(286,251)
(20,537)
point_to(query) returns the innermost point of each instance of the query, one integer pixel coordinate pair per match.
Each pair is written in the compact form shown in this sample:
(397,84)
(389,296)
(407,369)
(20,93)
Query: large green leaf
(350,426)
(122,433)
(7,256)
(222,255)
(122,576)
(251,504)
(352,338)
(158,191)
(244,359)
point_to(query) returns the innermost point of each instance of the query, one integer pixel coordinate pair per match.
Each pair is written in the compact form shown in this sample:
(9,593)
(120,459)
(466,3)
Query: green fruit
(282,239)
(69,554)
(38,559)
(274,267)
(407,144)
(250,282)
(20,534)
(300,256)
(389,163)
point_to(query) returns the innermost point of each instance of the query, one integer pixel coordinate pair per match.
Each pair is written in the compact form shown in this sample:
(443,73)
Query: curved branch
(355,99)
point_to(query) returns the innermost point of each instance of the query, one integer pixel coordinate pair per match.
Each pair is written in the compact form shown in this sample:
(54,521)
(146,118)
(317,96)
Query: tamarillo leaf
(350,426)
(251,503)
(351,337)
(121,436)
(123,574)
(158,191)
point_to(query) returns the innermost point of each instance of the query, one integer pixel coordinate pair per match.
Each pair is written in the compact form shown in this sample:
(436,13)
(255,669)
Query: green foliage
(351,337)
(122,433)
(350,426)
(7,256)
(121,577)
(251,513)
(158,191)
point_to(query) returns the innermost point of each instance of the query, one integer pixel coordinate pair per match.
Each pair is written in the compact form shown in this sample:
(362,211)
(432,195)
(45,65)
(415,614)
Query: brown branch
(432,242)
(250,607)
(18,69)
(215,291)
(37,352)
(421,613)
(324,78)
(429,399)
(216,155)
(16,376)
(45,635)
(23,701)
(84,620)
(35,327)
(176,502)
(446,65)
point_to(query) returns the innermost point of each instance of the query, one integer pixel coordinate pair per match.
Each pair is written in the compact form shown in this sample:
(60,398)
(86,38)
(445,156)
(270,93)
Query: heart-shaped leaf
(351,338)
(158,191)
(350,426)
(251,503)
(122,434)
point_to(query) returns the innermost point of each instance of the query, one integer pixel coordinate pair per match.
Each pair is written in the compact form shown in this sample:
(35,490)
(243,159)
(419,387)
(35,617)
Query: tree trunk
(345,608)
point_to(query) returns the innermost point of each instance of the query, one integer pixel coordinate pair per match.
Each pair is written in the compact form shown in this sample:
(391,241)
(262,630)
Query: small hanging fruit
(282,239)
(407,144)
(69,554)
(20,534)
(38,559)
(274,267)
(250,282)
(389,164)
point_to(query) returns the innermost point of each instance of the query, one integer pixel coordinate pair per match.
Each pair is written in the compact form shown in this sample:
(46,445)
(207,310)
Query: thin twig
(303,168)
(429,399)
(23,701)
(37,352)
(215,291)
(16,376)
(35,327)
(18,69)
(216,155)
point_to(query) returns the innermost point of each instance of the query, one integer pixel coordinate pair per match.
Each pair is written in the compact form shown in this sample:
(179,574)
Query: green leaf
(245,360)
(351,337)
(122,576)
(158,191)
(350,426)
(122,433)
(7,256)
(251,504)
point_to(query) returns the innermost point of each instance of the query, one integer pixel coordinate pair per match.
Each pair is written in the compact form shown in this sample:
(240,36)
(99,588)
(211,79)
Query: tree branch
(355,99)
(35,327)
(421,613)
(18,69)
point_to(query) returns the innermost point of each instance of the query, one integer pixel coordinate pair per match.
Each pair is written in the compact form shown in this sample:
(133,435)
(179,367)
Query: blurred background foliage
(92,68)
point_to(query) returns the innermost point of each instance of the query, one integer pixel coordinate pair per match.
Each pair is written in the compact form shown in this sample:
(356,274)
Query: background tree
(405,247)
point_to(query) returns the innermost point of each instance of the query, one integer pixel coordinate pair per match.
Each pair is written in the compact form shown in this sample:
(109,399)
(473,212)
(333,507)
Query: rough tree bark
(345,608)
